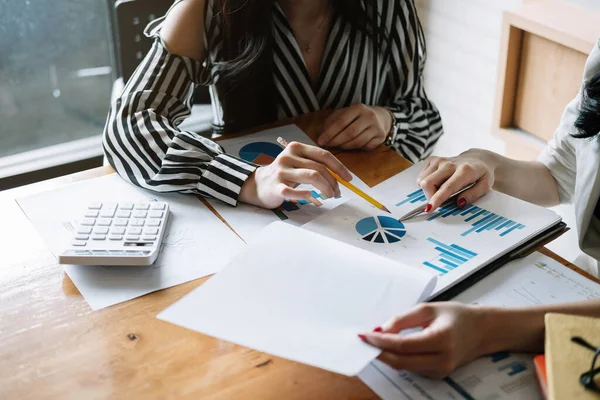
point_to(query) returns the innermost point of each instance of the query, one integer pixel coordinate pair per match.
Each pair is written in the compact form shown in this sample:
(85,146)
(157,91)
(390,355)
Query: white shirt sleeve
(559,154)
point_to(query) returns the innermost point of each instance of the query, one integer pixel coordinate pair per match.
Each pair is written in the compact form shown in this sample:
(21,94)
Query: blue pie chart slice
(381,229)
(253,152)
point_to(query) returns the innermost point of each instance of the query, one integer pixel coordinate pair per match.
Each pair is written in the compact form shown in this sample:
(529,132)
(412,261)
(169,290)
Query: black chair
(128,20)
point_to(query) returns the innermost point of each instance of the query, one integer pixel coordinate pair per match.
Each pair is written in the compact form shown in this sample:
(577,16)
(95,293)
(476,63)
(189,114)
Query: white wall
(463,43)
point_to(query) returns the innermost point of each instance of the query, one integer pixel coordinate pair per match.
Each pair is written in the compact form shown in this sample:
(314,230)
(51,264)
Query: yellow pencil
(347,184)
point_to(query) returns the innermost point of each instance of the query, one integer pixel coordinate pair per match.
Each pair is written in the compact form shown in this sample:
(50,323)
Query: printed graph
(450,257)
(415,197)
(293,205)
(261,153)
(380,229)
(513,368)
(481,220)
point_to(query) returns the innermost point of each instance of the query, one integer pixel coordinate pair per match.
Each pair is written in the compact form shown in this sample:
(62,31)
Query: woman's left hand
(356,127)
(452,335)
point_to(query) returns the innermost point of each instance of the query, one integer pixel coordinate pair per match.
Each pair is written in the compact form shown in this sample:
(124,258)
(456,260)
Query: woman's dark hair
(588,120)
(245,86)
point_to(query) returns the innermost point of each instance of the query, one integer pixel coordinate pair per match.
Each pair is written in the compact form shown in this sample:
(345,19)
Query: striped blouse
(144,145)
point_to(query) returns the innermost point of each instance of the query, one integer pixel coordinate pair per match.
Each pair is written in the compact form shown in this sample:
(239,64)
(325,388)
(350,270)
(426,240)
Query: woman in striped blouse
(266,60)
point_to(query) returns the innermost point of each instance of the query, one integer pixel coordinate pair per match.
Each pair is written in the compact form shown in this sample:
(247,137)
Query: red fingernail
(462,202)
(362,337)
(428,208)
(378,329)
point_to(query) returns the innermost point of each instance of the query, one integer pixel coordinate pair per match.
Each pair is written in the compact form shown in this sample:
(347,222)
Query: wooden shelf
(545,44)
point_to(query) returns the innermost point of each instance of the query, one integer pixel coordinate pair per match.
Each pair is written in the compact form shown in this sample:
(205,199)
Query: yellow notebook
(565,360)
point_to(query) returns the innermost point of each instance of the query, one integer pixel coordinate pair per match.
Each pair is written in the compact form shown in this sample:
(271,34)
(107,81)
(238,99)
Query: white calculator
(127,233)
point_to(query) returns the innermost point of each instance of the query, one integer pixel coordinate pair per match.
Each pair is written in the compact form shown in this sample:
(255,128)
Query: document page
(451,242)
(531,281)
(262,148)
(302,296)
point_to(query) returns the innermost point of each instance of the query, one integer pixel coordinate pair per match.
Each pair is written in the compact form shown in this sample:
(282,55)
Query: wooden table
(53,346)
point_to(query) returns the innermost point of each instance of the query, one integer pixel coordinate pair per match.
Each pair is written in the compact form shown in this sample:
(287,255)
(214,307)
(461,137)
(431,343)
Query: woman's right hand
(298,163)
(442,177)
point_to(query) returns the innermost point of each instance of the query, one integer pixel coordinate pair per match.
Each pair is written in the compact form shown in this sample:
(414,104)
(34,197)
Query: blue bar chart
(481,219)
(450,256)
(415,197)
(513,368)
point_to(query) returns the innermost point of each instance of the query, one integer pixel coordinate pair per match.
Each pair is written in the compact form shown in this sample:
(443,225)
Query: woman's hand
(298,163)
(356,127)
(452,336)
(442,177)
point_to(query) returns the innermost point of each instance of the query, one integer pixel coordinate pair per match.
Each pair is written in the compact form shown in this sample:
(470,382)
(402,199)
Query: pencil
(347,184)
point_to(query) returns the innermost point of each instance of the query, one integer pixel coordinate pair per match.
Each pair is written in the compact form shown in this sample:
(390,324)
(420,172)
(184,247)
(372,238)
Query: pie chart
(380,229)
(262,153)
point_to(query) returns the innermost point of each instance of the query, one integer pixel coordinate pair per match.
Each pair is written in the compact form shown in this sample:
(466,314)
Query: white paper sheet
(302,296)
(453,246)
(196,243)
(531,281)
(247,220)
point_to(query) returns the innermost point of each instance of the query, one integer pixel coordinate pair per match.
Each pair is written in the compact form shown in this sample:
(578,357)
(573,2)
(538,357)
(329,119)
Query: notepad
(302,296)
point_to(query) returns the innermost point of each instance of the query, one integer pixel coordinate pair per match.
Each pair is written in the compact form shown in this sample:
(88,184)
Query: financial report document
(262,148)
(531,281)
(451,242)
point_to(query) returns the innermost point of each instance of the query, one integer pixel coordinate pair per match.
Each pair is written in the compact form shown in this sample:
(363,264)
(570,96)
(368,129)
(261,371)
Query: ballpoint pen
(452,199)
(347,184)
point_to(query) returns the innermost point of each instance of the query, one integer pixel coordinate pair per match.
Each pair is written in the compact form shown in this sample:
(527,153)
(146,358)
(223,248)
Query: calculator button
(108,212)
(150,231)
(98,237)
(137,222)
(126,206)
(117,231)
(157,206)
(104,222)
(132,238)
(155,214)
(78,243)
(134,231)
(153,222)
(123,214)
(148,237)
(88,222)
(95,206)
(142,206)
(91,214)
(100,230)
(82,237)
(140,214)
(115,237)
(120,222)
(84,230)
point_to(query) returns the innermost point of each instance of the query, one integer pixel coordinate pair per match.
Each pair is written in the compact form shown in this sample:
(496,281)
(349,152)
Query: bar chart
(481,220)
(418,196)
(450,256)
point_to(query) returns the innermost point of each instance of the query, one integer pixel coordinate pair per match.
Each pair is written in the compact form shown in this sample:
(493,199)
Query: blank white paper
(302,296)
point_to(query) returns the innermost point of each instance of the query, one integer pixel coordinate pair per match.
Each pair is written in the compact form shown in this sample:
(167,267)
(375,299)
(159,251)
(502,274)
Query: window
(55,74)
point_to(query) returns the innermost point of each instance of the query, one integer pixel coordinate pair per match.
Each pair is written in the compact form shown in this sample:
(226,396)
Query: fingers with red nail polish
(428,208)
(461,202)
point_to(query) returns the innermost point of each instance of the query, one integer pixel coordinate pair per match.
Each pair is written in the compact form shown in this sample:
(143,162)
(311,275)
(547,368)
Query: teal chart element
(451,256)
(262,153)
(480,219)
(380,229)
